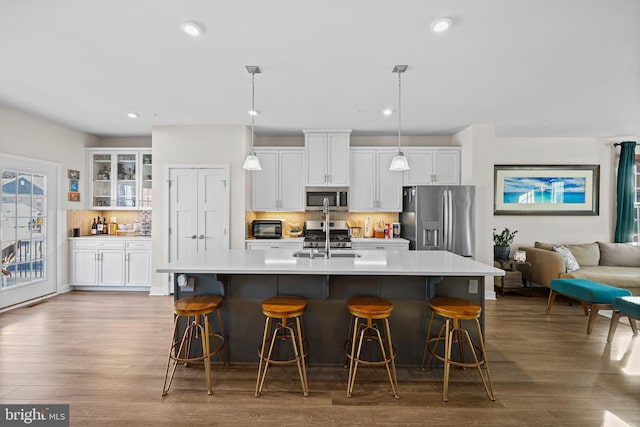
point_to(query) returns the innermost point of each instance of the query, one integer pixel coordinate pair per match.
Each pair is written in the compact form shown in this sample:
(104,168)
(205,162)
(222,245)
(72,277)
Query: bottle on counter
(94,227)
(105,226)
(99,226)
(368,231)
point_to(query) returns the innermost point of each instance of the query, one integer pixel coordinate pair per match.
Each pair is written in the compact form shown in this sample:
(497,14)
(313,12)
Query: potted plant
(502,242)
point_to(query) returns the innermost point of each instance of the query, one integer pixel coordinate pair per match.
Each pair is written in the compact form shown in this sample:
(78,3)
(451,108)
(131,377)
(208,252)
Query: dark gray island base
(327,284)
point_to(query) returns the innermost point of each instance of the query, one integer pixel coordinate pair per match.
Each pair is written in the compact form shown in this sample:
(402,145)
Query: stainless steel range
(314,235)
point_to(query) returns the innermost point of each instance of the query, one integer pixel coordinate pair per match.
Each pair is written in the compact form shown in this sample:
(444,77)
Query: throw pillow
(587,254)
(570,263)
(619,254)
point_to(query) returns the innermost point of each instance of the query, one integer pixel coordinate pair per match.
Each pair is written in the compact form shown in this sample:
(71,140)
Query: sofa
(615,264)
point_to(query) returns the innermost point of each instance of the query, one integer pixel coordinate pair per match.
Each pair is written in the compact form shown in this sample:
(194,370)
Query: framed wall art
(73,174)
(546,190)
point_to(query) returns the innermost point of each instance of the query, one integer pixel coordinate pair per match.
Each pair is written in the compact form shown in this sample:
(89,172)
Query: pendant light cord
(399,109)
(253,107)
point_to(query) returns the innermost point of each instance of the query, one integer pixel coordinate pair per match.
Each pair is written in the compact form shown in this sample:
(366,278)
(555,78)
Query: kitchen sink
(307,254)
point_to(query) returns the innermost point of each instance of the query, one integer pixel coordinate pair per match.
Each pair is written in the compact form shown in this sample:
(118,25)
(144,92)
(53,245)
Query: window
(22,235)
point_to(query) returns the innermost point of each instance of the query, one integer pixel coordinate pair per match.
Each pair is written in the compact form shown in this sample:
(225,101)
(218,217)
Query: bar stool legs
(364,311)
(195,309)
(454,311)
(280,309)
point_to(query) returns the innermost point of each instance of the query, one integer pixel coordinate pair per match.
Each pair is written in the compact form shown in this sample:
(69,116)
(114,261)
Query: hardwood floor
(105,354)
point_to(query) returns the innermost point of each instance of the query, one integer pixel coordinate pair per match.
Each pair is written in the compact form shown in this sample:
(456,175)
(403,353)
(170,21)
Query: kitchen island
(407,278)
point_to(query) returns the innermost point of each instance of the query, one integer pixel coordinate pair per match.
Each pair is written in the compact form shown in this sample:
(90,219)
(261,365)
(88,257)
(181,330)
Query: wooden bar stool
(195,309)
(456,310)
(364,311)
(277,328)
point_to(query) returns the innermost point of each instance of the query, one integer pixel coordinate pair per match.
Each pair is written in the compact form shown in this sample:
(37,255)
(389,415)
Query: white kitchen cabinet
(97,262)
(279,186)
(119,178)
(380,244)
(327,158)
(112,261)
(373,186)
(274,244)
(138,263)
(432,166)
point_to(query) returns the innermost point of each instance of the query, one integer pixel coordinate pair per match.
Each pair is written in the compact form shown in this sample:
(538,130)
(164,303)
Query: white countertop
(281,261)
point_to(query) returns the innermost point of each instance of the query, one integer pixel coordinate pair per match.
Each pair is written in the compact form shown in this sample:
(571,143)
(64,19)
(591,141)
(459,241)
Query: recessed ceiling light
(441,24)
(387,111)
(191,28)
(133,115)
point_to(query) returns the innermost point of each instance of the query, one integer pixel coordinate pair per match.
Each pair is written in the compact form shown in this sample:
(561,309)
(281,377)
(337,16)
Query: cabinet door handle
(201,236)
(191,237)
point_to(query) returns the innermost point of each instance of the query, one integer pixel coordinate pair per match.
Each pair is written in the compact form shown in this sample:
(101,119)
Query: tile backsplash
(83,219)
(289,218)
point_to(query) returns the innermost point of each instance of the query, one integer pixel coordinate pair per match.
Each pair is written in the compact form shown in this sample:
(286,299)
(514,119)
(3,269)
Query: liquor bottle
(99,229)
(94,227)
(105,226)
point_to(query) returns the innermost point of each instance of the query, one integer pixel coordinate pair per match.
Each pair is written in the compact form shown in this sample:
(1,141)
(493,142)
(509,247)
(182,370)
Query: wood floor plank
(104,353)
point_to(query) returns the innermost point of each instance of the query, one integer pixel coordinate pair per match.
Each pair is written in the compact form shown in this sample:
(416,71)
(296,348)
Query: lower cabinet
(109,262)
(274,244)
(379,244)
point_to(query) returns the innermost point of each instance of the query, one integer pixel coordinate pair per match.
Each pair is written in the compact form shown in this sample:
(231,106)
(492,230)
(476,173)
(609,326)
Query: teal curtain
(624,212)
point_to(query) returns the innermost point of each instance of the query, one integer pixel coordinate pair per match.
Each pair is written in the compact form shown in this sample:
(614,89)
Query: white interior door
(183,213)
(28,219)
(198,211)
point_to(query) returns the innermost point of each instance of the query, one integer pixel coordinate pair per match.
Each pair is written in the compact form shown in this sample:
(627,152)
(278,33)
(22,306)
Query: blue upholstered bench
(624,306)
(593,295)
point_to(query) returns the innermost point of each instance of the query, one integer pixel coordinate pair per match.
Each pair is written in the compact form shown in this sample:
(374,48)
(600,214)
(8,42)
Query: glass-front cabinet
(119,178)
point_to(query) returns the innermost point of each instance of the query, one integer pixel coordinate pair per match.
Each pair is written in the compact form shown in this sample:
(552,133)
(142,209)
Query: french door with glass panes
(27,229)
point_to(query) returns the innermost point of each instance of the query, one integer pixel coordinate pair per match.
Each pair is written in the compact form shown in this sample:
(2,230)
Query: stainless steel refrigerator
(439,217)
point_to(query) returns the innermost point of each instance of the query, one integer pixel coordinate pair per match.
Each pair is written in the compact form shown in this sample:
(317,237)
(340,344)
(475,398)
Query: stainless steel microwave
(338,198)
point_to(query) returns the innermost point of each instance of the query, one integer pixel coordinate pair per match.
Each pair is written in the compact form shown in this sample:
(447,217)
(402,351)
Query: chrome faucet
(325,210)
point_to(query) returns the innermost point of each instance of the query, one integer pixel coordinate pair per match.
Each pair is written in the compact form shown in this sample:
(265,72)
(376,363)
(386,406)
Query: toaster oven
(266,229)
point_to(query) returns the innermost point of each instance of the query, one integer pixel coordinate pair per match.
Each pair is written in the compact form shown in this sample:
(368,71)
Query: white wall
(198,145)
(24,135)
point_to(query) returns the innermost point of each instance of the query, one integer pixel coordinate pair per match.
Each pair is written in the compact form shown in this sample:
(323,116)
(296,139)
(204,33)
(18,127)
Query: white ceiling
(531,67)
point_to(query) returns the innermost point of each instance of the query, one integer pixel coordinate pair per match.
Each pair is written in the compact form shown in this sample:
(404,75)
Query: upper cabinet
(432,166)
(119,178)
(279,186)
(374,188)
(327,158)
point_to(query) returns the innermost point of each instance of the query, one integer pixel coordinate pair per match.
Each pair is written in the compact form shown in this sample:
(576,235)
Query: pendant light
(399,162)
(252,162)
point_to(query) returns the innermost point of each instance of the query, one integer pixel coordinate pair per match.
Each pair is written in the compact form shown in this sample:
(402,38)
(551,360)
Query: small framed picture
(74,196)
(520,256)
(71,174)
(73,185)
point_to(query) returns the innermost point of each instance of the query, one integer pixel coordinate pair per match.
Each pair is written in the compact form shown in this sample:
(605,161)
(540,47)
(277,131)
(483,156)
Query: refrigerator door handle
(445,220)
(450,221)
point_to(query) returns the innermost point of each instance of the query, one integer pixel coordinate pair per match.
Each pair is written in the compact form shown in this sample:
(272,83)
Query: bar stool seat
(278,311)
(455,310)
(364,311)
(196,310)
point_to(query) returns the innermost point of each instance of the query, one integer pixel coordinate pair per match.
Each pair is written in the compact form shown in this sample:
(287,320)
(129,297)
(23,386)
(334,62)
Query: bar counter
(407,278)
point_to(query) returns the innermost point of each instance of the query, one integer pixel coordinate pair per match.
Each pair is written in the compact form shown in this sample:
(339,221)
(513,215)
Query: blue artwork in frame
(546,190)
